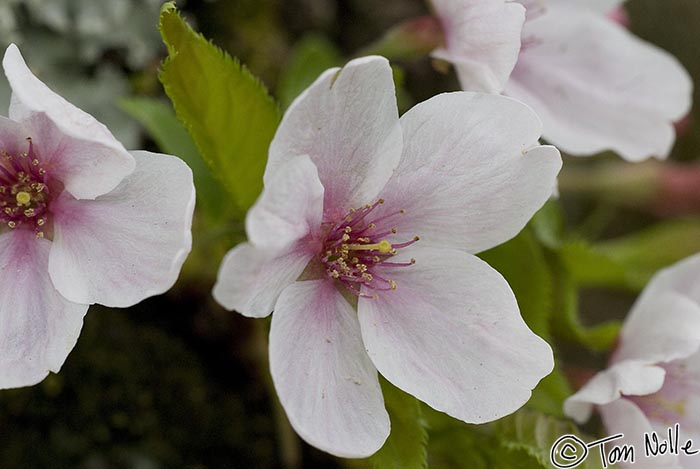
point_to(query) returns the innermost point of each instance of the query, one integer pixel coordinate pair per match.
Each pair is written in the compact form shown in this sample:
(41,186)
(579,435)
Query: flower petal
(452,336)
(678,401)
(71,144)
(324,379)
(597,87)
(623,416)
(629,378)
(600,6)
(129,244)
(663,326)
(12,136)
(471,174)
(250,280)
(290,207)
(39,326)
(347,123)
(482,40)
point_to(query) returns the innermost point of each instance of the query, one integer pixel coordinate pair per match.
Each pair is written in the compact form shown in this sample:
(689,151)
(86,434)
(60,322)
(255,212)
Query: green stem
(289,443)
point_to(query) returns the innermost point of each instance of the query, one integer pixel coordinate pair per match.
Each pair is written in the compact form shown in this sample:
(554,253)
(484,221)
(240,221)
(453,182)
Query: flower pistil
(24,193)
(355,247)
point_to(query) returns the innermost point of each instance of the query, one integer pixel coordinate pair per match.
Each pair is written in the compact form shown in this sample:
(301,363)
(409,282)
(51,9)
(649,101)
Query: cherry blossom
(82,221)
(595,85)
(363,244)
(653,380)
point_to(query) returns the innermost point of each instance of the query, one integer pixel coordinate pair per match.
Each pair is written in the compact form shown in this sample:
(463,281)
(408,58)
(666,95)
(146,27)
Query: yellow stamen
(382,246)
(23,198)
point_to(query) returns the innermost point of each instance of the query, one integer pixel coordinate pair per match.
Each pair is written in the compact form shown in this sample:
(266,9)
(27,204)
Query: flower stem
(289,443)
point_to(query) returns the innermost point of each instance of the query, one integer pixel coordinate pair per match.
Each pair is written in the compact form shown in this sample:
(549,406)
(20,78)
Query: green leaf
(225,109)
(534,434)
(407,443)
(567,323)
(548,224)
(158,118)
(589,266)
(549,395)
(629,262)
(522,262)
(520,441)
(454,443)
(644,253)
(312,55)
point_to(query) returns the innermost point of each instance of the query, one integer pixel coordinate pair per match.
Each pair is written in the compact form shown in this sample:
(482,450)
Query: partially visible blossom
(82,221)
(482,40)
(595,85)
(653,380)
(363,244)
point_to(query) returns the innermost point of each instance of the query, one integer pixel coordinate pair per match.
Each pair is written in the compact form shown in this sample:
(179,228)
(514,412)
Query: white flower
(653,381)
(595,86)
(363,243)
(82,221)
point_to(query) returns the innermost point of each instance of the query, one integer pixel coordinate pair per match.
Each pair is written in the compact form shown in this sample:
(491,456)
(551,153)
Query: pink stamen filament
(355,248)
(24,193)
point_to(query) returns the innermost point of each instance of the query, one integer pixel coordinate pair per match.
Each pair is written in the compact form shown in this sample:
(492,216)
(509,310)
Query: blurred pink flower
(595,86)
(362,243)
(653,381)
(83,221)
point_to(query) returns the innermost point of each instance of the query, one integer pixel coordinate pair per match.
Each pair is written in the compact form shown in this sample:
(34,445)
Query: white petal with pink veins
(451,335)
(290,207)
(472,173)
(250,280)
(38,326)
(597,87)
(74,146)
(347,123)
(630,378)
(129,244)
(482,40)
(325,381)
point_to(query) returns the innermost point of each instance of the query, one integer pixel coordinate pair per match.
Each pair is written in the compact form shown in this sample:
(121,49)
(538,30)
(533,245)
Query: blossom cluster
(363,243)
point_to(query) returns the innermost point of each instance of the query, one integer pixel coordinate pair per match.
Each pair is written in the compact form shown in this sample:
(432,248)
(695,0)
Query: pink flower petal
(129,244)
(250,280)
(597,87)
(629,378)
(678,401)
(347,123)
(73,145)
(325,381)
(663,326)
(600,6)
(471,174)
(452,336)
(39,326)
(482,40)
(290,207)
(623,416)
(13,136)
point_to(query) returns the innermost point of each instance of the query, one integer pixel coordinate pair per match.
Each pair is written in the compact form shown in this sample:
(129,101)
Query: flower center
(673,402)
(356,246)
(24,194)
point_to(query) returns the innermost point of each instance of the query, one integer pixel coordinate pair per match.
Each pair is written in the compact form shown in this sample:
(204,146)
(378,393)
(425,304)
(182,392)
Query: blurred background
(176,381)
